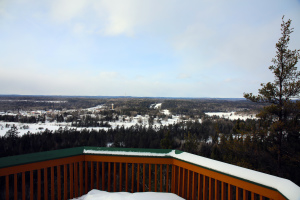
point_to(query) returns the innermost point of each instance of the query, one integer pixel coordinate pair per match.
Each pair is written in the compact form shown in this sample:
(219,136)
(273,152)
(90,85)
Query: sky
(144,48)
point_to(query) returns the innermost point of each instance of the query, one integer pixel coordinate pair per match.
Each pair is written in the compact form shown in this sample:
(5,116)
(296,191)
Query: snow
(103,195)
(166,112)
(127,153)
(284,186)
(231,115)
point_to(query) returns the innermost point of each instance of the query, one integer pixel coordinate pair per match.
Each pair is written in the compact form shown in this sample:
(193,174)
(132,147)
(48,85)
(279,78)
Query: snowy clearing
(103,195)
(231,115)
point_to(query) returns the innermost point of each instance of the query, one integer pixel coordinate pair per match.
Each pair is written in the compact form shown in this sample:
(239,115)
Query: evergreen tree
(281,108)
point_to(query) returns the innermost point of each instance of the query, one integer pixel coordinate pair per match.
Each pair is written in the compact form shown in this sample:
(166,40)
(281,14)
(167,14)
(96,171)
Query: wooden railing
(69,173)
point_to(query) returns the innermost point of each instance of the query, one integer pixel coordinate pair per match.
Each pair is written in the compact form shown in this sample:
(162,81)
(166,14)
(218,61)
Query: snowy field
(24,128)
(103,195)
(125,121)
(231,115)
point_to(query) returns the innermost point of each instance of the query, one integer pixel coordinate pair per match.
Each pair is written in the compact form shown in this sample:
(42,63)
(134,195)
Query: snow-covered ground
(24,128)
(231,115)
(103,195)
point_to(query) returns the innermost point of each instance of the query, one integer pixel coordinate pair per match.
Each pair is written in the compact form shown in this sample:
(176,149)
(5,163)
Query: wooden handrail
(69,173)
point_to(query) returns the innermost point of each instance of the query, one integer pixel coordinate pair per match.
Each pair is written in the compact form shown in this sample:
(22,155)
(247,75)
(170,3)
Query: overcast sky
(155,48)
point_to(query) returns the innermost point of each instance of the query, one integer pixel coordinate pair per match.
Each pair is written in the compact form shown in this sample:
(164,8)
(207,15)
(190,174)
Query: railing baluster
(45,184)
(229,191)
(7,187)
(58,183)
(16,186)
(23,186)
(193,185)
(237,193)
(97,175)
(223,196)
(150,177)
(252,196)
(31,185)
(76,178)
(155,178)
(204,187)
(167,179)
(138,178)
(86,185)
(71,180)
(132,177)
(183,183)
(115,176)
(179,181)
(92,175)
(199,187)
(217,189)
(120,181)
(108,177)
(103,176)
(161,182)
(52,182)
(65,182)
(144,176)
(81,177)
(126,177)
(245,196)
(209,188)
(188,185)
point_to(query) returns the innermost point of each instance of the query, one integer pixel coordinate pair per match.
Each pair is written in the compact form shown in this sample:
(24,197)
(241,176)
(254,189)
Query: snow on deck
(284,186)
(103,195)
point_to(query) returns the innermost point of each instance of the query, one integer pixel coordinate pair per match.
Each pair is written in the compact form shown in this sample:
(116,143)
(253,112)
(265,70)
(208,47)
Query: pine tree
(279,95)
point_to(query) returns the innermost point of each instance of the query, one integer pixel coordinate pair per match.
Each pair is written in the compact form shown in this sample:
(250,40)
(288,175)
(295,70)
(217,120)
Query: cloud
(183,76)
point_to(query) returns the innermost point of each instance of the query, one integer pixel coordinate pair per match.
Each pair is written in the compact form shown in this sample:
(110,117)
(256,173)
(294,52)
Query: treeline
(23,119)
